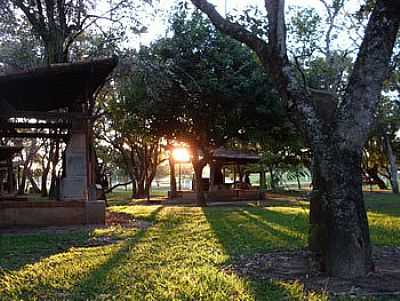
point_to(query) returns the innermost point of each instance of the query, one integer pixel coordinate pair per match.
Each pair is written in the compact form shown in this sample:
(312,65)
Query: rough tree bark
(336,130)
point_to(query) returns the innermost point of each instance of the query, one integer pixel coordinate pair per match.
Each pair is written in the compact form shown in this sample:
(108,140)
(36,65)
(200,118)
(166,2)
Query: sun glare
(181,154)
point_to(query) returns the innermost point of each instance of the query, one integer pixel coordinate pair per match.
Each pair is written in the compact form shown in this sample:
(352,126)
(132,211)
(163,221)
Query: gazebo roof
(6,152)
(229,156)
(55,86)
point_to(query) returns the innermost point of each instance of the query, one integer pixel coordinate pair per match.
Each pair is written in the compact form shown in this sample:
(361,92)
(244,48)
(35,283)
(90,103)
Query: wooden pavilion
(216,188)
(55,102)
(241,188)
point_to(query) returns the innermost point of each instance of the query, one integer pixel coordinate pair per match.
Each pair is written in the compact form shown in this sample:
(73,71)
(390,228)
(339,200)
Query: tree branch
(234,30)
(370,70)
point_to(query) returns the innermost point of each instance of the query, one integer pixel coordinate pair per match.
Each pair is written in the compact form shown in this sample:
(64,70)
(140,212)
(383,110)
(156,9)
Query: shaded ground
(299,266)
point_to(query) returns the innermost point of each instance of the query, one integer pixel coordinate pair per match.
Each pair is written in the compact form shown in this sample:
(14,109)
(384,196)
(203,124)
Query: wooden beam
(29,125)
(46,115)
(34,135)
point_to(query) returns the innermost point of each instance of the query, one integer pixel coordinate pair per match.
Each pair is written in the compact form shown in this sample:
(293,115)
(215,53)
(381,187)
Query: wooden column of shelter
(7,169)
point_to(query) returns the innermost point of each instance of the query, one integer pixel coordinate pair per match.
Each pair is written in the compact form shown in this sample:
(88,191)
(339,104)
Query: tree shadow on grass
(250,230)
(383,203)
(26,246)
(97,281)
(246,231)
(18,250)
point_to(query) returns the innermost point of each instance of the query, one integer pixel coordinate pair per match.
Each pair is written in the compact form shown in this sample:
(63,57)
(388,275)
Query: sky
(158,25)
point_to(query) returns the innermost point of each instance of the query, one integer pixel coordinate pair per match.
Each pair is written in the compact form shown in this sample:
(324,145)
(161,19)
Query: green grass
(179,257)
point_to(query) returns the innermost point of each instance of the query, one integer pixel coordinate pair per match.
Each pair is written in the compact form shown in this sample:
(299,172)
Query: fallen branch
(118,185)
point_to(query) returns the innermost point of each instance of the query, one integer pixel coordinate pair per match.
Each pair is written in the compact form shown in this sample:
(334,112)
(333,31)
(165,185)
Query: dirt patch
(299,266)
(125,220)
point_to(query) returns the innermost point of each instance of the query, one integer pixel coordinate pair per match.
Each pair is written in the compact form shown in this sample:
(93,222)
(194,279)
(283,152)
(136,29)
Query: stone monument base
(51,213)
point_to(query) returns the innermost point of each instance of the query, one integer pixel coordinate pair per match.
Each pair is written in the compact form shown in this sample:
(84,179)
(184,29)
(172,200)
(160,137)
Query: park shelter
(216,188)
(55,102)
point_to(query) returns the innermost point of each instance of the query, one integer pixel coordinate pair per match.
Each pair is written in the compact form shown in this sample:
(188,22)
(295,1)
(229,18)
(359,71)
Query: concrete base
(51,213)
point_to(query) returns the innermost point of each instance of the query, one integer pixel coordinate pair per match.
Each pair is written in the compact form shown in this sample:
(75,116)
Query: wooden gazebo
(239,189)
(55,102)
(215,188)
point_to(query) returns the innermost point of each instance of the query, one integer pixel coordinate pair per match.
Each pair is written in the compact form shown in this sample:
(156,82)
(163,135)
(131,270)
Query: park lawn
(179,257)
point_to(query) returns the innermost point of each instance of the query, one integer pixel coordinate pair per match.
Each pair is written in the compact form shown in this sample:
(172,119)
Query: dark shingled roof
(55,86)
(234,156)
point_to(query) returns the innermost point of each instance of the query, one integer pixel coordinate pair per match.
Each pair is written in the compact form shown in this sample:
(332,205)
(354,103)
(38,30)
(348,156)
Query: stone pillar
(74,186)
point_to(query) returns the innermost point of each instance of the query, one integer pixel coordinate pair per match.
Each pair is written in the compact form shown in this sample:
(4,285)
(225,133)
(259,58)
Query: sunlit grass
(179,257)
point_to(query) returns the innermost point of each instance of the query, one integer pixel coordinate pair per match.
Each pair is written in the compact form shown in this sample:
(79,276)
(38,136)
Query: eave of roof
(234,156)
(55,86)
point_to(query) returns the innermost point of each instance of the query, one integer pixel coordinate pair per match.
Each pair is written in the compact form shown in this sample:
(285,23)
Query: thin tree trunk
(134,188)
(272,181)
(21,188)
(35,187)
(53,182)
(43,186)
(198,171)
(298,180)
(262,179)
(373,175)
(392,165)
(172,177)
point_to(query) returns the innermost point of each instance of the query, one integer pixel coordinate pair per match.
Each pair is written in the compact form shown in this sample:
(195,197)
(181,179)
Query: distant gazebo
(55,102)
(215,187)
(235,159)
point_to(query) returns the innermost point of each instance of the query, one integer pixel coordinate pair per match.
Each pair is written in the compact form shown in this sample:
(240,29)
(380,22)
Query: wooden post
(10,174)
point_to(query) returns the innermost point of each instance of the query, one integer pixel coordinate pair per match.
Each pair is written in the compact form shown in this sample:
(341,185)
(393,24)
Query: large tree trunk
(392,165)
(54,48)
(339,230)
(317,232)
(140,193)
